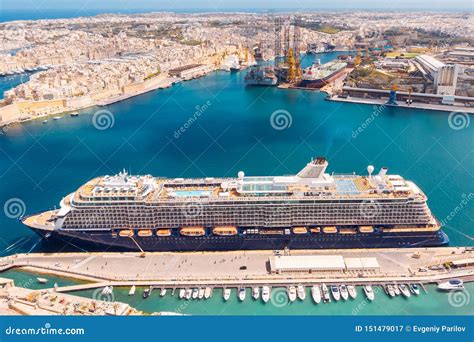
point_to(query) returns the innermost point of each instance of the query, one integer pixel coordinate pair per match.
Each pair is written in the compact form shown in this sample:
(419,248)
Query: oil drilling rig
(287,47)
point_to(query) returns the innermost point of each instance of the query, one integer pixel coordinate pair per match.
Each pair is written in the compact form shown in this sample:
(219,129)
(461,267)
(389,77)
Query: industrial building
(444,76)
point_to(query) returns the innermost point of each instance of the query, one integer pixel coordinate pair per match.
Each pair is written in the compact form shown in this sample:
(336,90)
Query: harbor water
(214,126)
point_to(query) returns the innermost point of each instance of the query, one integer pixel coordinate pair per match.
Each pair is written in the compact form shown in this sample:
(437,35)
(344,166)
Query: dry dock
(275,268)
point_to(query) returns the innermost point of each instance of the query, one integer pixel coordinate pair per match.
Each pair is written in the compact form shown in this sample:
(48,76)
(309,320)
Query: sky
(216,5)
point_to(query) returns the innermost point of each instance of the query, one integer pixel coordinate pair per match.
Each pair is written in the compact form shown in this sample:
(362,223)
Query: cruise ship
(310,210)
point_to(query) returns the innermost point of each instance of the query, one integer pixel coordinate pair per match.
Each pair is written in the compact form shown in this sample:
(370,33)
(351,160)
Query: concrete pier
(422,265)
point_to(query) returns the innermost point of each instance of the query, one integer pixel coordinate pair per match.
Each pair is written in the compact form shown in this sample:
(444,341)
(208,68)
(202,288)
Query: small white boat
(389,290)
(292,293)
(415,289)
(201,293)
(163,292)
(45,121)
(255,292)
(208,292)
(107,290)
(326,296)
(74,114)
(316,294)
(335,292)
(404,289)
(242,294)
(451,285)
(266,293)
(344,292)
(182,293)
(195,293)
(42,280)
(352,291)
(369,292)
(56,117)
(301,291)
(189,293)
(396,290)
(227,293)
(132,290)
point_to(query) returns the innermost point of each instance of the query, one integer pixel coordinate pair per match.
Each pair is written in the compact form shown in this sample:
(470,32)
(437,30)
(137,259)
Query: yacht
(201,293)
(132,290)
(189,293)
(255,292)
(42,280)
(316,294)
(344,292)
(292,293)
(266,294)
(208,292)
(389,290)
(227,293)
(162,292)
(301,291)
(369,292)
(182,293)
(107,290)
(352,291)
(242,294)
(335,292)
(396,290)
(326,297)
(415,289)
(195,293)
(451,285)
(405,290)
(146,293)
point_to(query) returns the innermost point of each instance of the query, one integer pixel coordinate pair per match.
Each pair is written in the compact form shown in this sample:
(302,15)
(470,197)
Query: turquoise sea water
(214,126)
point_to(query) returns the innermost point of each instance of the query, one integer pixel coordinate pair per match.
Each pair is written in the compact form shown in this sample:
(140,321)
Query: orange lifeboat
(126,233)
(300,230)
(366,229)
(225,231)
(315,230)
(163,232)
(330,230)
(193,231)
(347,231)
(145,232)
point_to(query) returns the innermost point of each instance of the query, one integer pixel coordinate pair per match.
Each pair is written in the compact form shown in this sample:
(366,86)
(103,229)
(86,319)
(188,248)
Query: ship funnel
(383,171)
(314,169)
(370,169)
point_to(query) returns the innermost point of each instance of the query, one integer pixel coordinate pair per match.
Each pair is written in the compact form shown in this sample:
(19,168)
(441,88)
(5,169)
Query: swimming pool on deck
(191,193)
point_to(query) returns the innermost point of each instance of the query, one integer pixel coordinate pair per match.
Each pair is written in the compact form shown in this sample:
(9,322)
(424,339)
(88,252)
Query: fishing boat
(405,290)
(316,294)
(301,292)
(132,290)
(42,280)
(201,293)
(195,293)
(266,294)
(369,292)
(227,293)
(189,293)
(414,289)
(326,297)
(335,292)
(182,293)
(344,292)
(146,293)
(255,292)
(292,293)
(163,292)
(451,285)
(352,291)
(242,294)
(207,292)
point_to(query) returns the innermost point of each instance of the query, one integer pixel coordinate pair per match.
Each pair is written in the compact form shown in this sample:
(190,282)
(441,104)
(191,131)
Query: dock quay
(249,268)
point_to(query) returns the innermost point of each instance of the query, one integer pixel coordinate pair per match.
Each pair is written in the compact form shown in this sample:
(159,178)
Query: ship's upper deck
(312,182)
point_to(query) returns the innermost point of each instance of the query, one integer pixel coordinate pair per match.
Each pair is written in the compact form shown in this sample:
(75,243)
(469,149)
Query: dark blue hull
(109,242)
